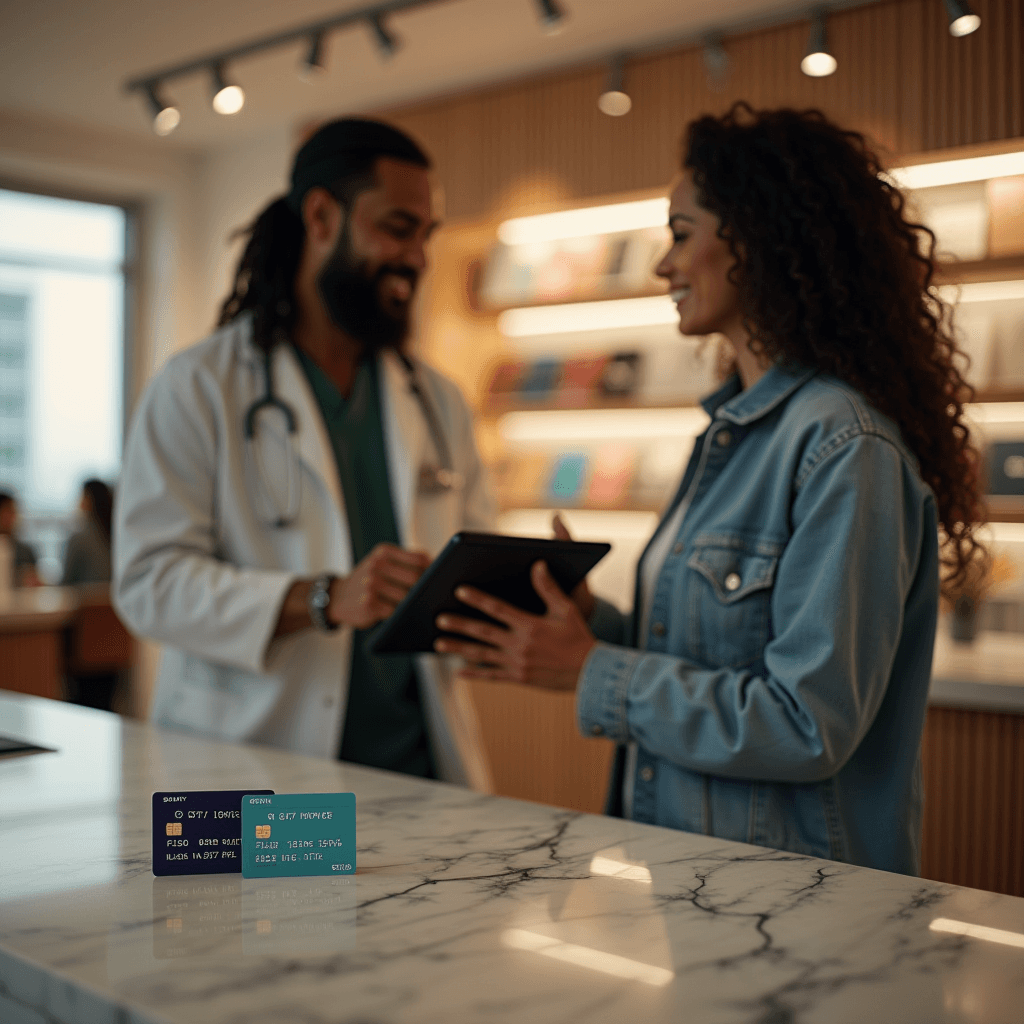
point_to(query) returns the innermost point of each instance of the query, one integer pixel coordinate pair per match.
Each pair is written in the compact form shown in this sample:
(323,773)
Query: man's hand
(368,594)
(547,650)
(375,586)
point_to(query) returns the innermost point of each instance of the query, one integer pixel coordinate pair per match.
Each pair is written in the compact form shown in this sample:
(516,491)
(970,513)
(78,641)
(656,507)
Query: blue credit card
(198,832)
(298,834)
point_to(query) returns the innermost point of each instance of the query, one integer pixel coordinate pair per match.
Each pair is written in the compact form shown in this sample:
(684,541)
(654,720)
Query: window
(62,302)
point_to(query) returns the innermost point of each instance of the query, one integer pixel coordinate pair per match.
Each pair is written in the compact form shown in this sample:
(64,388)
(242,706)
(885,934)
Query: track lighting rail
(363,15)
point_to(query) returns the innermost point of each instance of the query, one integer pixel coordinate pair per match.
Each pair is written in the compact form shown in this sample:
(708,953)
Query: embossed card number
(294,834)
(198,832)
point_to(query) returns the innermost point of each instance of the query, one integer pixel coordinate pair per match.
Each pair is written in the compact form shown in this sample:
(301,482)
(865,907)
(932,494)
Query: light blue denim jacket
(781,694)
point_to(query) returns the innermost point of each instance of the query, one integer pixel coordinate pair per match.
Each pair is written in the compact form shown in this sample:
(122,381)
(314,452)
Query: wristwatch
(318,600)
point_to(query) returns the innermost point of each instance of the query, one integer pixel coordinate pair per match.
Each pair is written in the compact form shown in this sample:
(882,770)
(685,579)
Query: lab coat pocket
(217,700)
(730,598)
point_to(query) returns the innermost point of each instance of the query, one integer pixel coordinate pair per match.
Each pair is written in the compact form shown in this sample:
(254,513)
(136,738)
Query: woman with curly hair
(771,684)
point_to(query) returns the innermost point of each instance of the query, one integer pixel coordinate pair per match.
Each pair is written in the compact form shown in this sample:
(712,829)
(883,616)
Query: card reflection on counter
(206,917)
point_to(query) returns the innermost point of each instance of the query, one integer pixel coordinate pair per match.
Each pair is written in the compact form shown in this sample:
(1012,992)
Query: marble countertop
(465,908)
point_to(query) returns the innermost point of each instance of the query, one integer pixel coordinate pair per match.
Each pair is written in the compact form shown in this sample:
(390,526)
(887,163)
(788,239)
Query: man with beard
(287,480)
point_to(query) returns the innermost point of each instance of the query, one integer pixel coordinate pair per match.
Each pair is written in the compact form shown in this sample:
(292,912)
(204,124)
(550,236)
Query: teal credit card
(294,834)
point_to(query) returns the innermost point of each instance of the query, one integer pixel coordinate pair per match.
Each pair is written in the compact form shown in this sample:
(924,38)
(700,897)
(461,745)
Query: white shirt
(650,569)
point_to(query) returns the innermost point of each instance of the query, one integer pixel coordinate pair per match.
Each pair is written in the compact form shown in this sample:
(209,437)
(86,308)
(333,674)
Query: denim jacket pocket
(730,598)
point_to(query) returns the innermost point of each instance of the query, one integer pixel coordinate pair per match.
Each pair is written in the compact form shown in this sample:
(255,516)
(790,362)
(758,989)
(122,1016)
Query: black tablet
(495,564)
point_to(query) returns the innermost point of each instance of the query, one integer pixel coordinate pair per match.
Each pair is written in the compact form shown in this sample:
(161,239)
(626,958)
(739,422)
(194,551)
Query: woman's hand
(582,596)
(547,650)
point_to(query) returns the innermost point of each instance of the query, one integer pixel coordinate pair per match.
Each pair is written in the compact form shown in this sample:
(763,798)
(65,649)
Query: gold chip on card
(174,828)
(262,831)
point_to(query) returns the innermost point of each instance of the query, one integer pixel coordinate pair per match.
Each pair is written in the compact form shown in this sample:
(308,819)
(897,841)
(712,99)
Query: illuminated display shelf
(549,419)
(1001,268)
(985,411)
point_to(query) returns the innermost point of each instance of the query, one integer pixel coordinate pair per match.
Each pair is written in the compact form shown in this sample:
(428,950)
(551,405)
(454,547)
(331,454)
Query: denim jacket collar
(731,402)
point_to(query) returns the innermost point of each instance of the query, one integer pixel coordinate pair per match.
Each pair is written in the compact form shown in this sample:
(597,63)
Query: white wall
(233,185)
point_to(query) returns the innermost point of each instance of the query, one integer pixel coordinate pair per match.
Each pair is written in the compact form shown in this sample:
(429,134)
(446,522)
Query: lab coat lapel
(403,439)
(314,444)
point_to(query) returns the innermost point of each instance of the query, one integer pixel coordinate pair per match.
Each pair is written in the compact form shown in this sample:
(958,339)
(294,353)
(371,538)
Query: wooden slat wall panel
(902,78)
(974,799)
(536,752)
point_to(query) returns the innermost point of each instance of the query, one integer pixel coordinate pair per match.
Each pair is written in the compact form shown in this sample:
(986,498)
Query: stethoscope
(432,479)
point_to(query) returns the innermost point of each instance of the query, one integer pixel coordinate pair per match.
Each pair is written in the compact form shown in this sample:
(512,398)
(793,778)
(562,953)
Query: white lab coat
(197,569)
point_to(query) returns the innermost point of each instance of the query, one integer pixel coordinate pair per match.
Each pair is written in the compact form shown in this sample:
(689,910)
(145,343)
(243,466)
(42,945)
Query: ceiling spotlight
(387,41)
(818,62)
(962,20)
(716,61)
(227,98)
(313,64)
(552,17)
(166,116)
(614,100)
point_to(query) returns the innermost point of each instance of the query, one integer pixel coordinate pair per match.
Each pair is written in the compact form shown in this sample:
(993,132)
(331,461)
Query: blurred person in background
(771,684)
(87,564)
(21,556)
(288,480)
(87,554)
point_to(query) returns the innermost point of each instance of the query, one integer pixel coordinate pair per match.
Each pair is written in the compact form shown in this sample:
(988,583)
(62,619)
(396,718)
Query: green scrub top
(384,723)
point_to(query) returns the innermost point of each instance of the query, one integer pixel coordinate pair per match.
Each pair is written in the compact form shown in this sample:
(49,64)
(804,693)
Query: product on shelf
(576,269)
(540,380)
(507,377)
(520,478)
(581,377)
(568,479)
(621,375)
(1006,468)
(1006,216)
(612,476)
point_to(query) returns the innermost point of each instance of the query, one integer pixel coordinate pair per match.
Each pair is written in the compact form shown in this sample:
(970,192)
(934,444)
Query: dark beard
(351,296)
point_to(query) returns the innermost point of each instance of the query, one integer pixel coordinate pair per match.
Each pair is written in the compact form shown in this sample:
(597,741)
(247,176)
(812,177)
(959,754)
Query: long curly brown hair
(833,275)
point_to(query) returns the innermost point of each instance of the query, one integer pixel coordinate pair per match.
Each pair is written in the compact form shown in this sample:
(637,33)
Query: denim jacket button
(596,730)
(677,548)
(724,438)
(733,581)
(647,773)
(658,629)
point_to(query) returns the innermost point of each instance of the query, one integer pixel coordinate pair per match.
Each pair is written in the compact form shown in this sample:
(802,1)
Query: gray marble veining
(465,908)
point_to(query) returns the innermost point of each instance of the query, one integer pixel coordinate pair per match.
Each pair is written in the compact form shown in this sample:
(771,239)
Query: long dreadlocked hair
(265,277)
(832,275)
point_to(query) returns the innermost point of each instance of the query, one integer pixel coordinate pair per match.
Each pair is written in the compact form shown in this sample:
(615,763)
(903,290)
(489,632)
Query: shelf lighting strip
(551,426)
(659,310)
(652,213)
(959,172)
(982,291)
(530,321)
(594,220)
